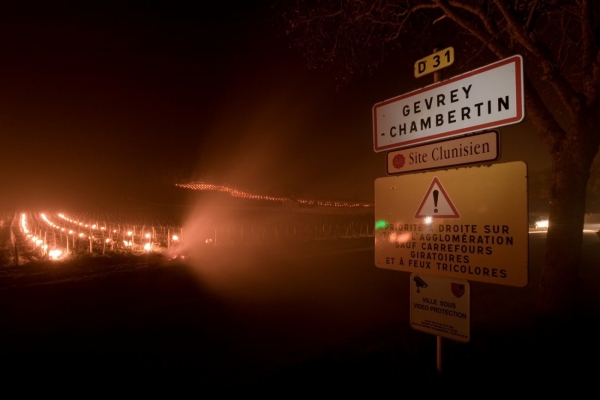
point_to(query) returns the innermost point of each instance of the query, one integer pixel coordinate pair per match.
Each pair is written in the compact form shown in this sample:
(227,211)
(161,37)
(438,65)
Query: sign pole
(426,115)
(438,360)
(437,76)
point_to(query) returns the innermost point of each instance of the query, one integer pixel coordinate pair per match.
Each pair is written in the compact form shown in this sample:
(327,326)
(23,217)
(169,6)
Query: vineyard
(31,236)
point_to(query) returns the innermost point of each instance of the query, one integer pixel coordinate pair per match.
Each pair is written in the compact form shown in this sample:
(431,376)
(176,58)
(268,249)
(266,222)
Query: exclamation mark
(435,198)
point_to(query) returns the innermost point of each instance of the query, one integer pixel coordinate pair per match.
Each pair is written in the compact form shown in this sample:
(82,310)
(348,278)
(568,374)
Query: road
(234,316)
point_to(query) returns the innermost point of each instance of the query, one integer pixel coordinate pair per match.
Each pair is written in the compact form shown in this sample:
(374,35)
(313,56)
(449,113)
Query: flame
(246,195)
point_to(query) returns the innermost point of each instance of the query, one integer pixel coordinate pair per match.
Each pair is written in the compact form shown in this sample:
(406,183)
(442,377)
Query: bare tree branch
(544,122)
(552,74)
(594,83)
(590,56)
(529,22)
(479,33)
(480,12)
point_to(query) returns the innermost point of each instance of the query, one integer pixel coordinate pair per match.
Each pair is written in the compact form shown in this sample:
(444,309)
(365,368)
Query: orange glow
(55,253)
(246,195)
(24,224)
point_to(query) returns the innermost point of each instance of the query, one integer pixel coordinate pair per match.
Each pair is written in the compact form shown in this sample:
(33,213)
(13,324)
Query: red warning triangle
(436,203)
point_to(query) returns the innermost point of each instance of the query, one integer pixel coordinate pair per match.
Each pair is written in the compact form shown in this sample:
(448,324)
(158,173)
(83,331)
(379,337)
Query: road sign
(440,306)
(434,62)
(436,203)
(468,223)
(472,149)
(484,98)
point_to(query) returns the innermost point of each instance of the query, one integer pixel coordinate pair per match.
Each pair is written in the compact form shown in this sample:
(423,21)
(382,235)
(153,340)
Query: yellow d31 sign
(436,61)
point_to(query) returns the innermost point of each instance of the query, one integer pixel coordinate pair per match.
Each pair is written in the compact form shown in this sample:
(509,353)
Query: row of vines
(40,235)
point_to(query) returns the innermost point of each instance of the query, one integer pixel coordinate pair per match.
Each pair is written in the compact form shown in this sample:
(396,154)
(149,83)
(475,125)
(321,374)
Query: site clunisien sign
(468,223)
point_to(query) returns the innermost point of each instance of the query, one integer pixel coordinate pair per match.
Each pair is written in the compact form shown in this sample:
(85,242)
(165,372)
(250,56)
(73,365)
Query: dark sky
(109,98)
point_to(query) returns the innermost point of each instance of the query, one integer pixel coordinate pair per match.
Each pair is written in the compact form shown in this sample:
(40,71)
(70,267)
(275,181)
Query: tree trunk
(570,174)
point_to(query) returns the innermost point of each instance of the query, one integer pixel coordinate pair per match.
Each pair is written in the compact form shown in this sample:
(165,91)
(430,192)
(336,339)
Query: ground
(284,319)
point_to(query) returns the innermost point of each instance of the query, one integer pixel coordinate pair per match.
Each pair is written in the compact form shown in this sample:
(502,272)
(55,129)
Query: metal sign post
(440,306)
(450,226)
(437,76)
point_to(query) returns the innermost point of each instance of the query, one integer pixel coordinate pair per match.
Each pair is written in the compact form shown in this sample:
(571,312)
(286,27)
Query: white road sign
(440,306)
(484,98)
(467,223)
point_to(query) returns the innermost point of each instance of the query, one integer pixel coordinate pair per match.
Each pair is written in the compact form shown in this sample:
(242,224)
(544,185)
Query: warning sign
(440,306)
(479,232)
(436,203)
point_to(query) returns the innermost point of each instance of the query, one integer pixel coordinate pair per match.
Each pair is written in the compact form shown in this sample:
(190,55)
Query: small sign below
(434,62)
(472,149)
(440,306)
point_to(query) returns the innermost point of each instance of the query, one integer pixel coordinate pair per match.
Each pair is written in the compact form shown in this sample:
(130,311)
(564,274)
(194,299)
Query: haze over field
(105,102)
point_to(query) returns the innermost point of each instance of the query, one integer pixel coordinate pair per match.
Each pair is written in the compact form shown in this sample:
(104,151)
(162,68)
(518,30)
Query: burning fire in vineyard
(238,193)
(177,232)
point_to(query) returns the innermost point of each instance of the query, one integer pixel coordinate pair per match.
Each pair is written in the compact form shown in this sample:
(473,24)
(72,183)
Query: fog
(101,108)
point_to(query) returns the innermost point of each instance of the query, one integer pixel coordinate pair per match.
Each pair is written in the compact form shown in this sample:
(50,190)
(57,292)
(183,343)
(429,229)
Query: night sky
(101,100)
